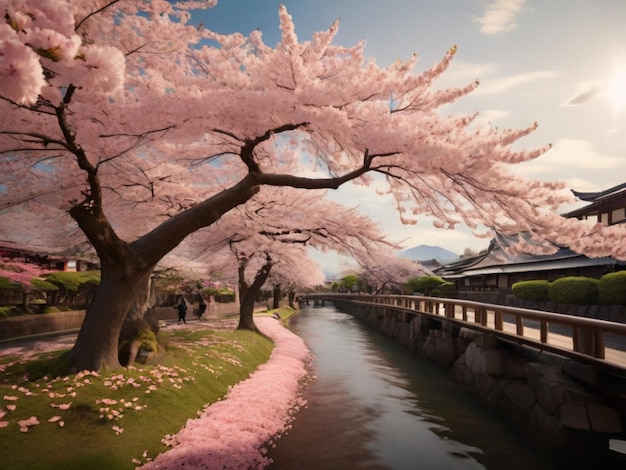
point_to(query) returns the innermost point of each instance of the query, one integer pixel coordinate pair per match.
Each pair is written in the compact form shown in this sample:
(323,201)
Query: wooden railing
(584,338)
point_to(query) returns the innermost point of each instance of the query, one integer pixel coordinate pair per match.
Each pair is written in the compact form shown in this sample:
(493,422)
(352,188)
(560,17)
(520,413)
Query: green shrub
(350,281)
(51,309)
(148,340)
(612,289)
(222,295)
(6,311)
(6,283)
(423,284)
(71,281)
(443,289)
(532,290)
(577,290)
(43,285)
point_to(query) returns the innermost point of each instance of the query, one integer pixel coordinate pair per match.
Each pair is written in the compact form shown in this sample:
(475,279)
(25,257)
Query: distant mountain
(428,252)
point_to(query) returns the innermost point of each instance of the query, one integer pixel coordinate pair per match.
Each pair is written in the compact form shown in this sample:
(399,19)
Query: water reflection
(374,405)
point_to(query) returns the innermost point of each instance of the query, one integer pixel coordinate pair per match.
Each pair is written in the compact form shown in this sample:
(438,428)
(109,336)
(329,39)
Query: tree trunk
(292,298)
(136,321)
(246,311)
(127,266)
(250,292)
(277,296)
(97,344)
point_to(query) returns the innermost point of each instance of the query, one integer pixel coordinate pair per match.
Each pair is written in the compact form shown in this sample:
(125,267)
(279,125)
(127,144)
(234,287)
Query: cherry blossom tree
(269,234)
(144,128)
(387,271)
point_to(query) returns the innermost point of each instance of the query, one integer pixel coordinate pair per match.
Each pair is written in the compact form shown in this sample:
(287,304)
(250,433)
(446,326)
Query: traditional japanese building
(497,268)
(78,258)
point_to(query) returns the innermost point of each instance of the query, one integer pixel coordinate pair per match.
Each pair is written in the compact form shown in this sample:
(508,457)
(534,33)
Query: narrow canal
(374,405)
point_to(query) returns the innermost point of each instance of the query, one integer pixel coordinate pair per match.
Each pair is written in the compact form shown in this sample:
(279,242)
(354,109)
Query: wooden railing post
(497,320)
(449,306)
(543,331)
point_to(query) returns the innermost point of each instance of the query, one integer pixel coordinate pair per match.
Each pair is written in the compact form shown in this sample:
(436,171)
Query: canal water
(372,404)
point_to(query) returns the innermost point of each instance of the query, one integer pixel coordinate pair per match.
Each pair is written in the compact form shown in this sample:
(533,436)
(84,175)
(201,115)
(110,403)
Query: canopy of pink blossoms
(232,433)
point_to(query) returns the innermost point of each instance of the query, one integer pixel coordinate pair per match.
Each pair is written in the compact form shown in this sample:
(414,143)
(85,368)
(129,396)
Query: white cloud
(500,16)
(495,85)
(578,164)
(585,91)
(463,73)
(582,155)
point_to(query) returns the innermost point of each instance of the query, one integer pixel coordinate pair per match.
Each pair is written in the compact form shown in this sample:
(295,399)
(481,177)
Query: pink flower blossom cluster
(233,433)
(40,34)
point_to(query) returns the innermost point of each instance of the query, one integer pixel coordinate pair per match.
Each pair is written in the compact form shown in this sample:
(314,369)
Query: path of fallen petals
(231,433)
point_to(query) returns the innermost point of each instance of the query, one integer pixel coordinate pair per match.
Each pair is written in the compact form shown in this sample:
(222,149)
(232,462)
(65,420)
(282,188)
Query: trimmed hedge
(612,289)
(222,296)
(532,290)
(443,289)
(6,283)
(577,290)
(71,281)
(423,284)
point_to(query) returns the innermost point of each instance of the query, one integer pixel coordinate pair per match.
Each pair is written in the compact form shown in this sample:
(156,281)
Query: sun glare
(615,90)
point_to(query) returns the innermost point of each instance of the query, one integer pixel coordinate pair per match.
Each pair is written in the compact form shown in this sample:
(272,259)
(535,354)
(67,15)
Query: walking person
(201,306)
(182,311)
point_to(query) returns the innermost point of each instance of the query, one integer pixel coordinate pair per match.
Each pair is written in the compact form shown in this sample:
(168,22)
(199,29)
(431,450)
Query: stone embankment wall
(542,390)
(36,324)
(43,323)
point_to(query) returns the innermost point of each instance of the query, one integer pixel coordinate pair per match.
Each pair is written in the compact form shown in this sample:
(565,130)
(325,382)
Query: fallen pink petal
(232,433)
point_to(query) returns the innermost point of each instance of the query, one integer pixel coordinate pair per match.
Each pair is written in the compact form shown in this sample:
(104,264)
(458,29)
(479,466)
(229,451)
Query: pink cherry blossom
(102,69)
(24,424)
(21,73)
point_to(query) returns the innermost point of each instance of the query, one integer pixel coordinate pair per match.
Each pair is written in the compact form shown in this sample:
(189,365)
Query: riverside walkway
(598,342)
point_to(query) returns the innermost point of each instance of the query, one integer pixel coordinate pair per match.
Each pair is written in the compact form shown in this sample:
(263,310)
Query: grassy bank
(117,420)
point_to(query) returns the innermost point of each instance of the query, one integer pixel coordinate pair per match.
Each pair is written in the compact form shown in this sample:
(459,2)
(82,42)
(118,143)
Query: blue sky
(561,63)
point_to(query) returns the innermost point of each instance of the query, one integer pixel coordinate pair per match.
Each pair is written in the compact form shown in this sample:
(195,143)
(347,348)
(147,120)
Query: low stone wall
(540,389)
(35,324)
(42,323)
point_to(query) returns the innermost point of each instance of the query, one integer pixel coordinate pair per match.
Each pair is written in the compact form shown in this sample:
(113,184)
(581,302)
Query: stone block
(494,362)
(462,374)
(552,426)
(488,388)
(514,368)
(520,396)
(485,341)
(466,333)
(476,359)
(544,395)
(604,418)
(537,416)
(574,415)
(546,424)
(583,372)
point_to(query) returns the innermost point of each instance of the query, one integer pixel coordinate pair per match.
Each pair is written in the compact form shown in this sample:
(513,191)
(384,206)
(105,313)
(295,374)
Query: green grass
(193,369)
(285,313)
